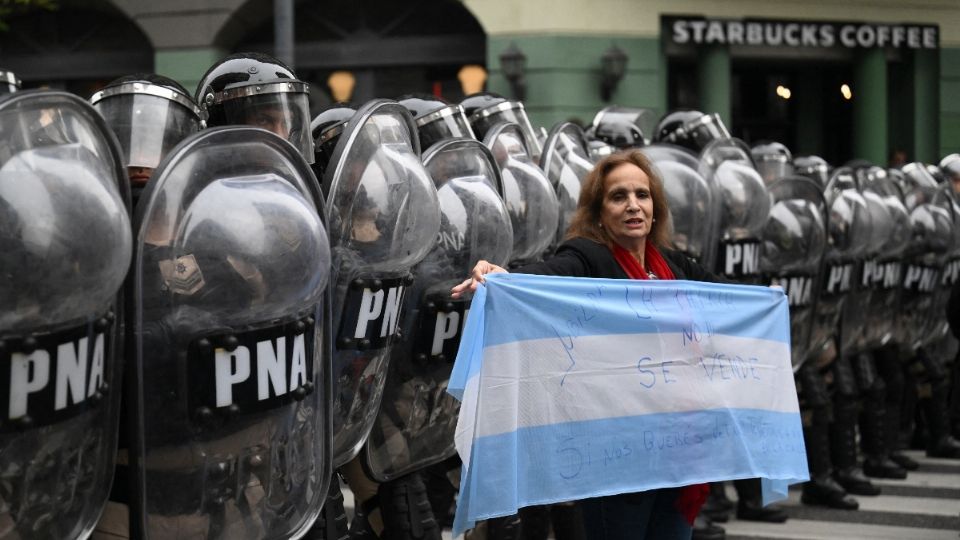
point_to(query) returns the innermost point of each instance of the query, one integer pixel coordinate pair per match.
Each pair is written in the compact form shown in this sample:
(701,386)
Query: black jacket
(580,257)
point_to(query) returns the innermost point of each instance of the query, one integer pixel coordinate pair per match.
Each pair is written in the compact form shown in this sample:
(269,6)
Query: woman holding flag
(621,230)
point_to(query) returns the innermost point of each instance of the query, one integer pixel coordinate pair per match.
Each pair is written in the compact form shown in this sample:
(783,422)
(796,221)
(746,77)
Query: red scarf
(691,498)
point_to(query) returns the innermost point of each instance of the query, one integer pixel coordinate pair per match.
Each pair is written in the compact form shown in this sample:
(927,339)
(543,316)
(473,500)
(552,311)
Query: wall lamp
(514,65)
(613,66)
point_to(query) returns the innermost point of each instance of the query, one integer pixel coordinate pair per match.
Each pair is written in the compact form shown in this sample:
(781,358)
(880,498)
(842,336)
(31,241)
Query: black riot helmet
(773,161)
(692,129)
(257,90)
(813,167)
(326,129)
(950,165)
(149,114)
(486,109)
(436,119)
(9,83)
(620,127)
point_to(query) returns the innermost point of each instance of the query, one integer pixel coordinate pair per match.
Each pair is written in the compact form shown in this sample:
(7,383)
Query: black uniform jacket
(581,257)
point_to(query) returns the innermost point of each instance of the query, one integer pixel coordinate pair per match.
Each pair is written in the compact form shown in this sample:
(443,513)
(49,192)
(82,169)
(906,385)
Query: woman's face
(627,211)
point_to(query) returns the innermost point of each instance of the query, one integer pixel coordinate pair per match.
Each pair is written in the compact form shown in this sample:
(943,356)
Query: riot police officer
(621,127)
(932,237)
(415,426)
(384,218)
(691,129)
(813,167)
(773,161)
(149,114)
(848,229)
(257,90)
(65,244)
(230,352)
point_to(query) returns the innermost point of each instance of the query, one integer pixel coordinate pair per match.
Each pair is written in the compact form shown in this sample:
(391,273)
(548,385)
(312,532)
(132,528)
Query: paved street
(925,506)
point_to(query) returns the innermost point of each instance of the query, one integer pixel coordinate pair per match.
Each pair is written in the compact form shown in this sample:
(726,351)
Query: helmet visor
(147,126)
(286,114)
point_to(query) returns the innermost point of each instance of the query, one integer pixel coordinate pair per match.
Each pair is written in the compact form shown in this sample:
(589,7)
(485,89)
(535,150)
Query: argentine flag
(574,388)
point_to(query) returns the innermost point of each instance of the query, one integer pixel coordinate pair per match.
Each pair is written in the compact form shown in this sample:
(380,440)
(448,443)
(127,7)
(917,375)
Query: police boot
(892,371)
(440,489)
(843,451)
(717,507)
(940,444)
(822,489)
(406,510)
(750,503)
(331,524)
(567,521)
(876,462)
(704,529)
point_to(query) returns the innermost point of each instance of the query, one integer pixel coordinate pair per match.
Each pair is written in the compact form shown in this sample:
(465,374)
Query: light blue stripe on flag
(574,388)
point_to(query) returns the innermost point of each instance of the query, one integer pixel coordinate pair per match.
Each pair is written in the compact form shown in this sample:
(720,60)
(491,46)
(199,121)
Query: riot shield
(742,204)
(384,217)
(932,234)
(848,240)
(691,208)
(883,270)
(566,162)
(417,419)
(794,239)
(65,246)
(659,152)
(942,343)
(231,330)
(531,200)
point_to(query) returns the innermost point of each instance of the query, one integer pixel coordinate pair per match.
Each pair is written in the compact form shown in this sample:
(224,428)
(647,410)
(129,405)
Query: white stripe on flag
(593,377)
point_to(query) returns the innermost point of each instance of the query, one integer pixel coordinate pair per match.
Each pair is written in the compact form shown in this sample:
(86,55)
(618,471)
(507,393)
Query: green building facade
(902,97)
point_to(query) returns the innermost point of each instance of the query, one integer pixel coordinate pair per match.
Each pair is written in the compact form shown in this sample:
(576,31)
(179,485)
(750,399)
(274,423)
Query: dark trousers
(650,515)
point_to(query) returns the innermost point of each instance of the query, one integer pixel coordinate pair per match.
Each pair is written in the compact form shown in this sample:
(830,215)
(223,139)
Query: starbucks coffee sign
(679,30)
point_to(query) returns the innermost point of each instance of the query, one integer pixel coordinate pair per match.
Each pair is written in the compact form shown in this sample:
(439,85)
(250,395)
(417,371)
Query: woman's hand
(476,278)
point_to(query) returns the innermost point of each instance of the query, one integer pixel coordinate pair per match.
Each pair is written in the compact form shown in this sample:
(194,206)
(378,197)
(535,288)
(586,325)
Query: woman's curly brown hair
(586,220)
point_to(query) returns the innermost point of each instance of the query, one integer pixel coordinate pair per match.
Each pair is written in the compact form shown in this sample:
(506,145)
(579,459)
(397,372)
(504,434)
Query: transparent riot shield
(660,152)
(942,343)
(65,246)
(932,232)
(531,200)
(417,419)
(384,218)
(742,206)
(231,330)
(883,270)
(848,239)
(692,209)
(566,162)
(794,239)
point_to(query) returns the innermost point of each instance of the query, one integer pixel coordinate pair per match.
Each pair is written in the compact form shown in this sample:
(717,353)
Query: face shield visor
(704,130)
(446,123)
(281,108)
(147,120)
(509,111)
